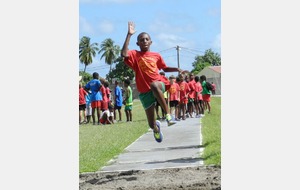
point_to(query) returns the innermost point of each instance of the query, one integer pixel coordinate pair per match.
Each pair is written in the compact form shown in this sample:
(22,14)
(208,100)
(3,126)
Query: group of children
(185,97)
(95,101)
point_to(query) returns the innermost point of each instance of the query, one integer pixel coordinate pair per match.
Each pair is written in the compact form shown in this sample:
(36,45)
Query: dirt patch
(201,178)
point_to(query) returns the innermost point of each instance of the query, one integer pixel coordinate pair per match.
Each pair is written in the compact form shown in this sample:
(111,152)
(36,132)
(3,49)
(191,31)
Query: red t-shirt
(82,94)
(174,92)
(108,93)
(192,88)
(146,66)
(213,86)
(198,88)
(104,94)
(184,89)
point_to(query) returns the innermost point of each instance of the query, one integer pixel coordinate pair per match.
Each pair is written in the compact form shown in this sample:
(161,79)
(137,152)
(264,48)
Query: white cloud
(106,26)
(170,40)
(85,26)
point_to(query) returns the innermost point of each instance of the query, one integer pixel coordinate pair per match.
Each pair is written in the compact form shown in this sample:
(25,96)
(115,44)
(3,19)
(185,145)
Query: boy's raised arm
(130,32)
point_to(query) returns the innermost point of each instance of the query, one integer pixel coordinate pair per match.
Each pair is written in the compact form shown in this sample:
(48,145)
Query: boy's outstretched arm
(130,32)
(175,69)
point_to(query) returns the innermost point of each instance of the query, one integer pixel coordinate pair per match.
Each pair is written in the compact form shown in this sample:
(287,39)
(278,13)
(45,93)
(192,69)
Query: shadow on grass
(208,143)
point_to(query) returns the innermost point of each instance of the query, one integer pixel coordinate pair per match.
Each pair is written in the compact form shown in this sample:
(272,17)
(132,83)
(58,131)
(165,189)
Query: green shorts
(128,108)
(148,98)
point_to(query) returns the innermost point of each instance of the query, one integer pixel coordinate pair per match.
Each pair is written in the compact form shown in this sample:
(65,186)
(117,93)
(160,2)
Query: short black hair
(127,81)
(203,78)
(142,33)
(162,73)
(95,75)
(197,78)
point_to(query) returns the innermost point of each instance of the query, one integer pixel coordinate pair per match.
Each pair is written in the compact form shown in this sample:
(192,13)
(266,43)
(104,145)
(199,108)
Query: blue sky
(193,25)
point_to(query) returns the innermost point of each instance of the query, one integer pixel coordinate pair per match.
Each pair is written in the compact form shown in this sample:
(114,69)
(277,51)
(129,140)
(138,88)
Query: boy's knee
(154,86)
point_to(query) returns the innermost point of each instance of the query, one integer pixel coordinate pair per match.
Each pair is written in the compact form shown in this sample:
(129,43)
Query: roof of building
(216,68)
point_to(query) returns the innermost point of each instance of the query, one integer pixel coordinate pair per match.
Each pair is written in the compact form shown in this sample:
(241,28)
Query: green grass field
(99,144)
(211,133)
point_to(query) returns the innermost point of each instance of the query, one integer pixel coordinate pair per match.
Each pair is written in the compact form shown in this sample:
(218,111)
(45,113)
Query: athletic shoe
(169,120)
(158,136)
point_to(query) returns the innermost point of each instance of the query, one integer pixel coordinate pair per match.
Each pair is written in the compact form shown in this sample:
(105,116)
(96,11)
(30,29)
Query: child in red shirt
(174,94)
(150,84)
(198,98)
(184,93)
(82,103)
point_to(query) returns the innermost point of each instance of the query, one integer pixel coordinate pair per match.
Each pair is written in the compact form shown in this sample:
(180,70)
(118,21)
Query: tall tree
(87,51)
(209,58)
(109,51)
(121,71)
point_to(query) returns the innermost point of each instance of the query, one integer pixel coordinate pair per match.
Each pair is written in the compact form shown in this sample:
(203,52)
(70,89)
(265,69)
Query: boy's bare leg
(98,114)
(120,114)
(156,88)
(79,116)
(130,115)
(93,115)
(127,115)
(151,118)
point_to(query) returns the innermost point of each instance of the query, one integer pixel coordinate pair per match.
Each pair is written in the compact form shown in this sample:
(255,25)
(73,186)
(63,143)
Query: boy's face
(192,77)
(181,78)
(144,42)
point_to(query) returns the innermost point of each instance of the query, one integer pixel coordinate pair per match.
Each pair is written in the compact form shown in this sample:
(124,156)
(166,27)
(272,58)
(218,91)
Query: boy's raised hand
(131,29)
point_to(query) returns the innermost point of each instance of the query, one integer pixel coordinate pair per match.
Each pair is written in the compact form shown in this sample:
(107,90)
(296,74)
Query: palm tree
(87,51)
(109,51)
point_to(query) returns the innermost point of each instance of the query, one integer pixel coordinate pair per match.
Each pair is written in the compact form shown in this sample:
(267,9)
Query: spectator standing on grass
(82,104)
(88,109)
(108,91)
(104,101)
(150,84)
(118,98)
(128,100)
(213,88)
(94,85)
(174,94)
(205,93)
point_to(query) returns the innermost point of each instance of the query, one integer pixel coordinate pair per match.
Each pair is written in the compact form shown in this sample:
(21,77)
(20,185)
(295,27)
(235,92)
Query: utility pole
(177,48)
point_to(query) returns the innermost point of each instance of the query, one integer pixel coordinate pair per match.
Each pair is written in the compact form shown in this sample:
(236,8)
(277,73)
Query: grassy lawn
(211,133)
(99,144)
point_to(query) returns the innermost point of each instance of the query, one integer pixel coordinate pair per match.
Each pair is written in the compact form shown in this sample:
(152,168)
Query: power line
(193,49)
(167,49)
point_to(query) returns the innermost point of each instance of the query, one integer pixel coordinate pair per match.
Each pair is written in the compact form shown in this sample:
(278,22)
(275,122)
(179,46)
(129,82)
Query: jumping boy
(150,84)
